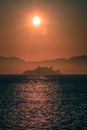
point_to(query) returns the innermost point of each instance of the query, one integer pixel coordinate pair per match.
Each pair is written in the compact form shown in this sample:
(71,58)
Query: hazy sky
(63,32)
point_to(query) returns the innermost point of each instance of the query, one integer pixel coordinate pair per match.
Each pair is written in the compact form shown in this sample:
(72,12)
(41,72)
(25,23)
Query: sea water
(43,103)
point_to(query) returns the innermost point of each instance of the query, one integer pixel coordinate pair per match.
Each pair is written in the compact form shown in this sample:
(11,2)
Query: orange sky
(62,32)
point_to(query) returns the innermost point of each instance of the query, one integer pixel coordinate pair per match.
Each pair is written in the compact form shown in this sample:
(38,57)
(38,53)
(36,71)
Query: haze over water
(38,31)
(43,103)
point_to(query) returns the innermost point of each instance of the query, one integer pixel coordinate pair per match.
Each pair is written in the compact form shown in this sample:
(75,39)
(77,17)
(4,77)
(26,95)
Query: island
(42,71)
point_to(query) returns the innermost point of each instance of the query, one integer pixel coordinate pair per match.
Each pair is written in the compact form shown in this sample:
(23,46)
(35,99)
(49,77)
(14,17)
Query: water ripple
(43,104)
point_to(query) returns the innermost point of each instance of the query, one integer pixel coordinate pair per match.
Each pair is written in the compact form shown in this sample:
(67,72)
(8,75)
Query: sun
(36,20)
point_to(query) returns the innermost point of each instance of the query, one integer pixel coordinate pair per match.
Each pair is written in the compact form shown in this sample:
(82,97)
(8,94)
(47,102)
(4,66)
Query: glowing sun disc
(36,20)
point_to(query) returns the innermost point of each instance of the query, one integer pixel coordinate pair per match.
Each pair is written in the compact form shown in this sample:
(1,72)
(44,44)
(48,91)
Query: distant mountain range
(73,65)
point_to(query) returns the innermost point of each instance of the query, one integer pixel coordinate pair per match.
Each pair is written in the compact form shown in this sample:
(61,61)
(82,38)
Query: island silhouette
(42,71)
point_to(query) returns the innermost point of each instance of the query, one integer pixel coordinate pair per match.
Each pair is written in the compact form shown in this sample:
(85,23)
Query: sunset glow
(36,20)
(37,30)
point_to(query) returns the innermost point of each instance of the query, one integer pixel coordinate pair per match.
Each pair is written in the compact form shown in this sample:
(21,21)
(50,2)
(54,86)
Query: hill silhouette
(73,65)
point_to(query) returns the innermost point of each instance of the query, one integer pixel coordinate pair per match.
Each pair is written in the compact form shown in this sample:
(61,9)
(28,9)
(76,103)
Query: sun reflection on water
(38,104)
(43,103)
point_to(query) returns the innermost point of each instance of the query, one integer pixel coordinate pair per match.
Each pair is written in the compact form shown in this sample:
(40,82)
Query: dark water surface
(43,103)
